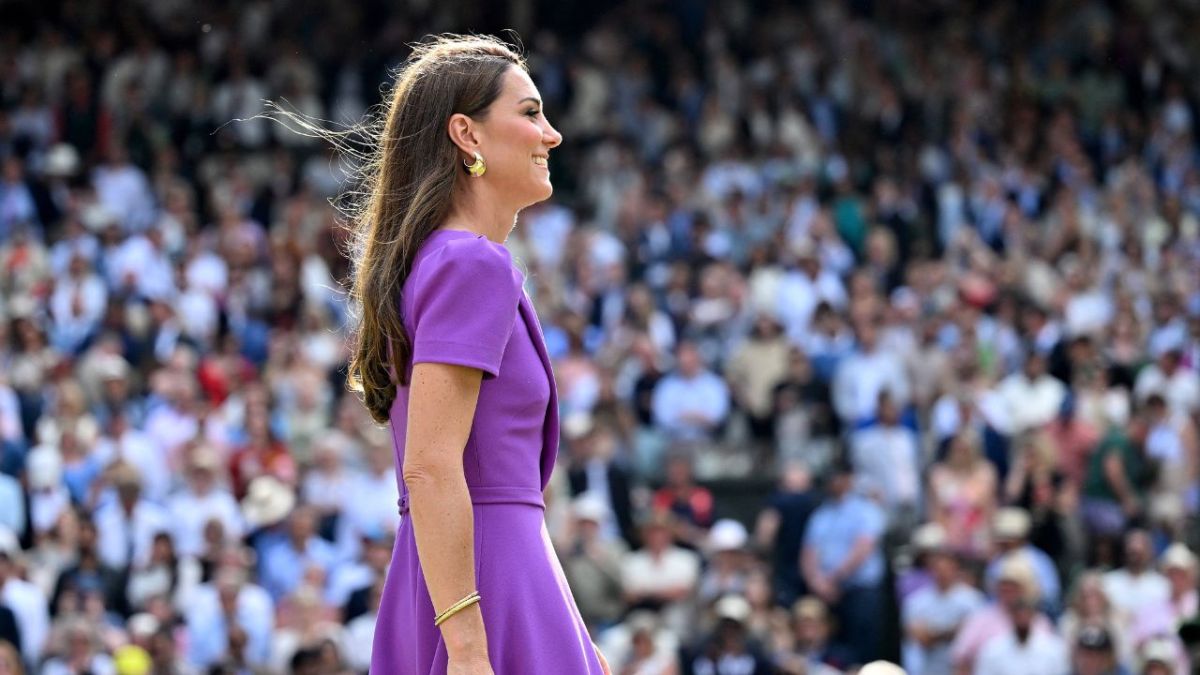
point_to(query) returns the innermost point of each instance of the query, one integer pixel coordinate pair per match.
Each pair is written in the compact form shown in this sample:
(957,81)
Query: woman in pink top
(962,494)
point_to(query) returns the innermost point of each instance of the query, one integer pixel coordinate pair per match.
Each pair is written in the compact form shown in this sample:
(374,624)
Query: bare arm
(1114,472)
(441,408)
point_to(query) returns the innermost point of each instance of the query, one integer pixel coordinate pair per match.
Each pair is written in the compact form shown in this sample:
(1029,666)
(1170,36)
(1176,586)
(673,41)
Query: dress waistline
(493,495)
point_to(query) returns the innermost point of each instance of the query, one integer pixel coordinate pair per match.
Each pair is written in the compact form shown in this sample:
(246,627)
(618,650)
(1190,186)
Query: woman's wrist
(464,634)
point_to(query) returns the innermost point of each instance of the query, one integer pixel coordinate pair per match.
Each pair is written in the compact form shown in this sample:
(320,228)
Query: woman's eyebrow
(530,98)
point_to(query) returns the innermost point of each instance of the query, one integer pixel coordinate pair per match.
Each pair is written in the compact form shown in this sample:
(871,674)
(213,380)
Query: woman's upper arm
(441,407)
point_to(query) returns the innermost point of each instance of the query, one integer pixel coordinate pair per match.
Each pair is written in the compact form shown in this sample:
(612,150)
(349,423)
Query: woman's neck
(482,213)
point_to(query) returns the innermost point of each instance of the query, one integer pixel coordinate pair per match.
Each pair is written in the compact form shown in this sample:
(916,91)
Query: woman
(962,494)
(450,351)
(1090,607)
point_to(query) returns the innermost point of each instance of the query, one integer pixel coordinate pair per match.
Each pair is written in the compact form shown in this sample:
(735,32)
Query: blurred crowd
(921,276)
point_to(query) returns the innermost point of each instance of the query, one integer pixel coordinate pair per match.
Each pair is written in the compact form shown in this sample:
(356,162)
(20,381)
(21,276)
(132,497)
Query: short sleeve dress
(463,304)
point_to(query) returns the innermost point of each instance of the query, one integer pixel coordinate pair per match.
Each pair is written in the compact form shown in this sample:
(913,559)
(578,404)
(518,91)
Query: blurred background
(876,327)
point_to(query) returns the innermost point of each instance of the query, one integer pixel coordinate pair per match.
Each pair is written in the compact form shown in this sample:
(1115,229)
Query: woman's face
(515,141)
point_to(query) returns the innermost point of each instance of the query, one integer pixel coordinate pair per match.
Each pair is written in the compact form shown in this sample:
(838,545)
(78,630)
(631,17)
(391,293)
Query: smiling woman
(449,351)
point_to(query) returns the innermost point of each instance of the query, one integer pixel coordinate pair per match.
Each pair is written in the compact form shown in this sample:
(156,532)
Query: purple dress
(463,304)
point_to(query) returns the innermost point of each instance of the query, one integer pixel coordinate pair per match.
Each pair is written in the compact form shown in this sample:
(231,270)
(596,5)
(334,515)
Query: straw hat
(727,535)
(733,607)
(267,502)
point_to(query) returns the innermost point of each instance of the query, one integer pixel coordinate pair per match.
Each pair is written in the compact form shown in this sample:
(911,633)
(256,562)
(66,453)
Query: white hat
(112,367)
(577,425)
(929,537)
(733,607)
(143,624)
(1017,568)
(267,502)
(1160,649)
(61,160)
(43,467)
(589,506)
(727,535)
(1011,522)
(881,668)
(1178,556)
(97,217)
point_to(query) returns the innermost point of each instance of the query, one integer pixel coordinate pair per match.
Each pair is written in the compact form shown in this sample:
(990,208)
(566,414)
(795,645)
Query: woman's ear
(464,132)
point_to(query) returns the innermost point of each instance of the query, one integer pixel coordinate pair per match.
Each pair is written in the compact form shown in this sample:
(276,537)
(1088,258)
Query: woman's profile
(449,351)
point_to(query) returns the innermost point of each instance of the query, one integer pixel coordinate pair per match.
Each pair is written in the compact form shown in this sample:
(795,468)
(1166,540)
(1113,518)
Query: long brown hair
(407,184)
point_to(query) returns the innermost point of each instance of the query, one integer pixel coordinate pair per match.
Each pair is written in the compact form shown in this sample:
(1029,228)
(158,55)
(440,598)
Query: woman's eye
(532,113)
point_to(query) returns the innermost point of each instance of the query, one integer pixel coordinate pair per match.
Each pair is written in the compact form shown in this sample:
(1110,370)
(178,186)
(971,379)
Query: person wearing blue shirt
(691,403)
(1010,531)
(842,562)
(286,561)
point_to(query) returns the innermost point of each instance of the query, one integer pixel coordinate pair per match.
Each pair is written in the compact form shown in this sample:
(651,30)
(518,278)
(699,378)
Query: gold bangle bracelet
(456,608)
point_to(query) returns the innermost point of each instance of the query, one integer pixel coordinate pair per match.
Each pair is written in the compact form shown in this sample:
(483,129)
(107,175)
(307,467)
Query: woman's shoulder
(460,245)
(457,254)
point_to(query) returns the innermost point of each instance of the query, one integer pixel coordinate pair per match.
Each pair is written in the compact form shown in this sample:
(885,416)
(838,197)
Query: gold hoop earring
(478,168)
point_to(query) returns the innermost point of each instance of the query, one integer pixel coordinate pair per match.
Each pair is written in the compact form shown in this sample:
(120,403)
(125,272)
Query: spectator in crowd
(1090,609)
(689,503)
(811,649)
(962,494)
(865,374)
(1010,534)
(1136,585)
(1016,593)
(780,529)
(592,563)
(1094,653)
(691,403)
(1178,565)
(728,649)
(595,470)
(887,463)
(203,500)
(933,614)
(661,576)
(843,564)
(1022,649)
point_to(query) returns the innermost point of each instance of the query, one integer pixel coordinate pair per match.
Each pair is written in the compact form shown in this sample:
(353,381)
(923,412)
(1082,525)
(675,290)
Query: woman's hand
(472,666)
(603,661)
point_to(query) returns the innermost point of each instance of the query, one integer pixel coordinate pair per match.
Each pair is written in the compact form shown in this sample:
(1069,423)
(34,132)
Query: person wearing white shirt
(933,615)
(1136,586)
(661,575)
(126,444)
(124,190)
(1178,385)
(127,525)
(77,305)
(1026,649)
(862,376)
(327,485)
(801,290)
(887,462)
(1031,397)
(371,505)
(28,604)
(140,264)
(690,403)
(201,501)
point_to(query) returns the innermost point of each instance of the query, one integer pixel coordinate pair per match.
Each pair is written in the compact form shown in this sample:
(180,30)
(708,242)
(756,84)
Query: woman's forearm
(444,526)
(440,412)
